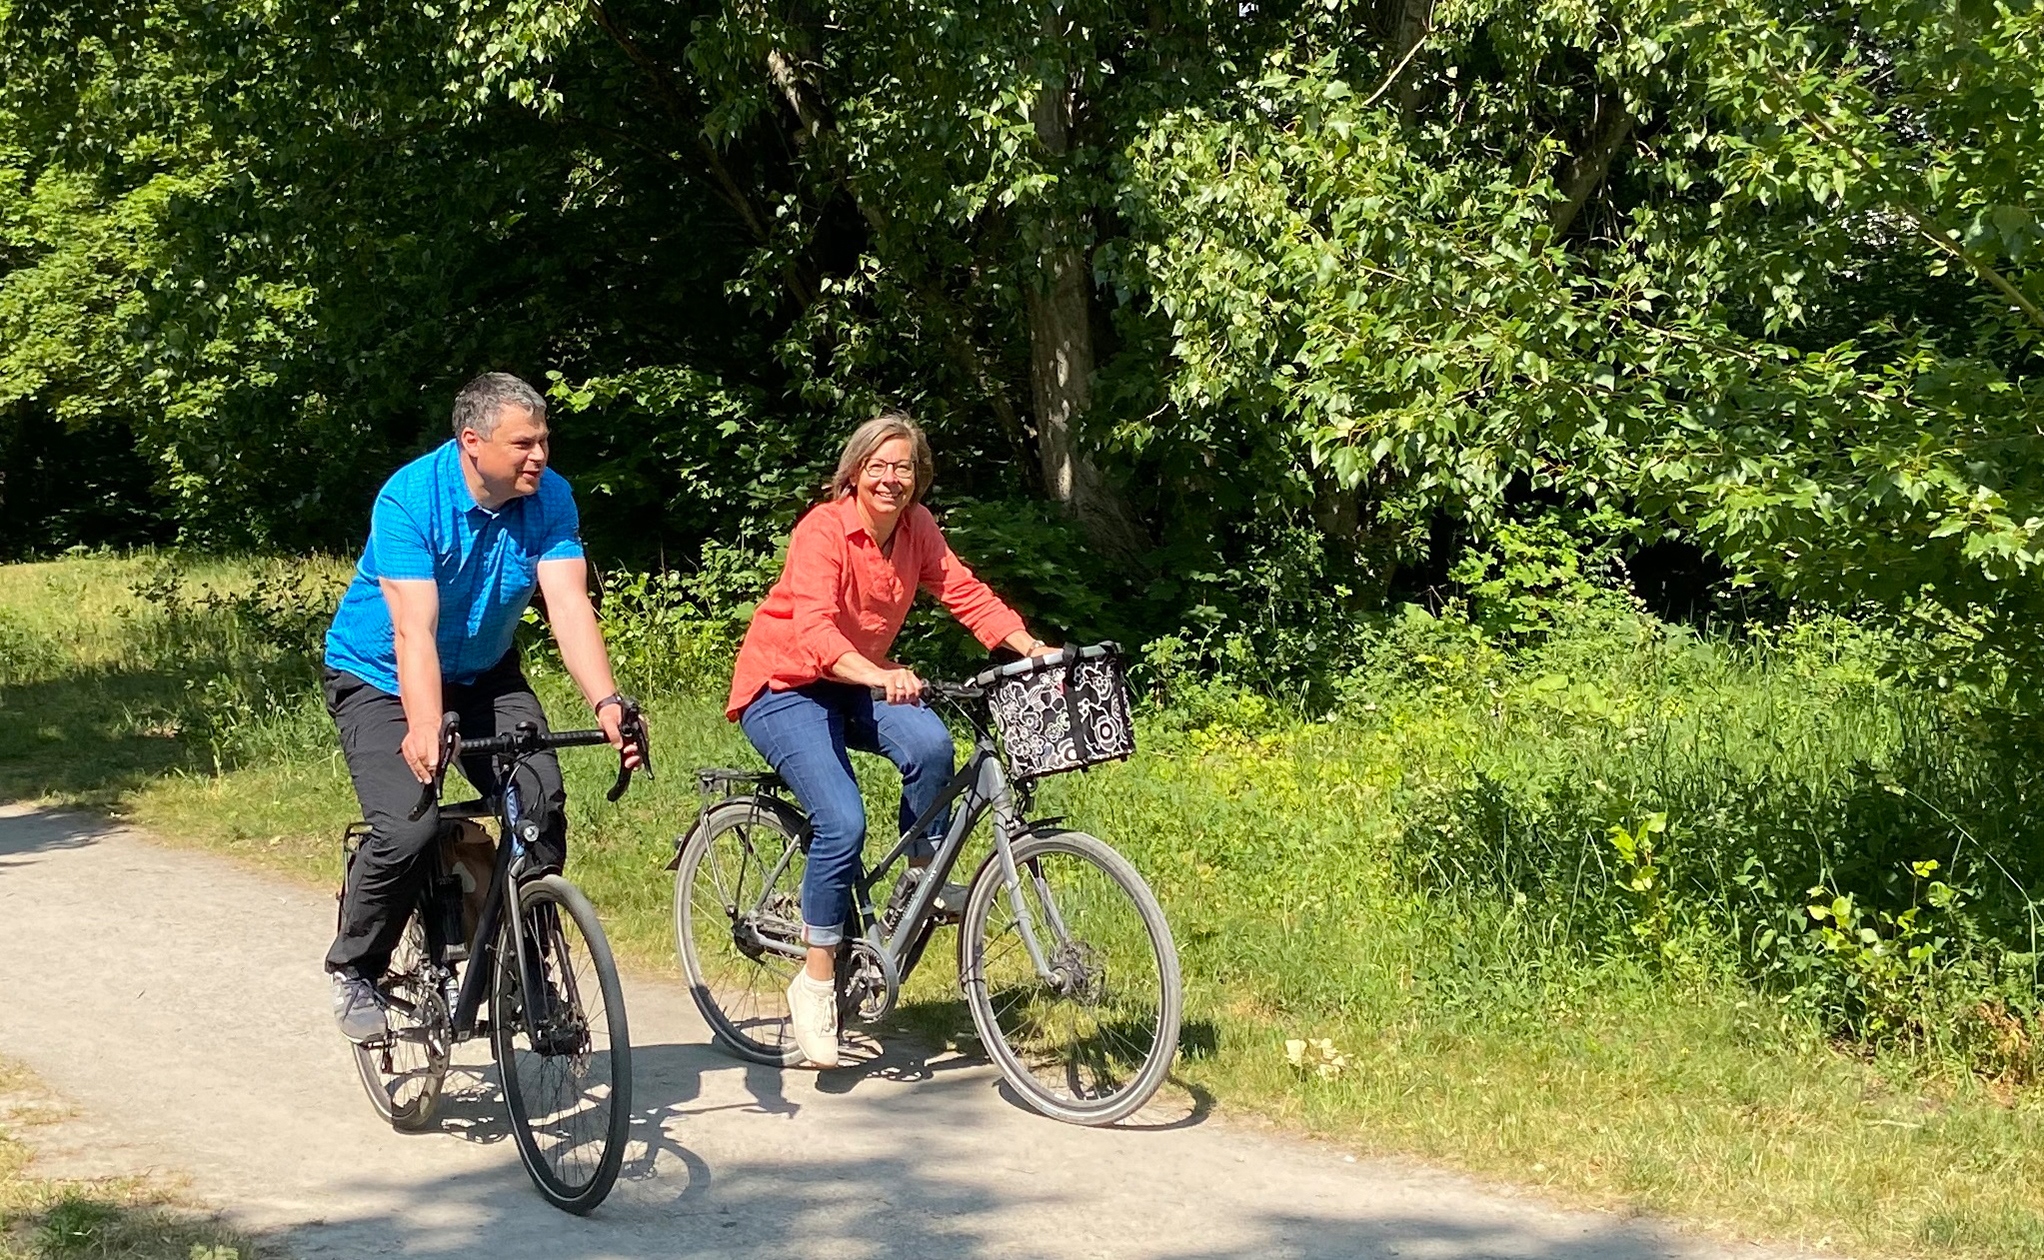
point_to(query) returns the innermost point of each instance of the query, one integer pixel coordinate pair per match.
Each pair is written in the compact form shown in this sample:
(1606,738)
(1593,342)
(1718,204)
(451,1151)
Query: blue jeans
(804,735)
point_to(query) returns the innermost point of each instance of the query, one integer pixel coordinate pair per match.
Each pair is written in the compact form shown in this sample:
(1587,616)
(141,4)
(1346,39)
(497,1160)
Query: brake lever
(450,740)
(632,725)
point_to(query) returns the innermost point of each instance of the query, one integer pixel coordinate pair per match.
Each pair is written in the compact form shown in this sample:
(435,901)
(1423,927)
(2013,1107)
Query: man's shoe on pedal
(358,1008)
(812,1014)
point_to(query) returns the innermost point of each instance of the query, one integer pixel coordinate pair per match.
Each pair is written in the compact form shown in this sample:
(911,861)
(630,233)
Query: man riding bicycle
(458,540)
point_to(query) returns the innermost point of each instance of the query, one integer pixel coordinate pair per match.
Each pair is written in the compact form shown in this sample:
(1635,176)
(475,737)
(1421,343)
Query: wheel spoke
(724,912)
(1091,1040)
(564,1062)
(403,1070)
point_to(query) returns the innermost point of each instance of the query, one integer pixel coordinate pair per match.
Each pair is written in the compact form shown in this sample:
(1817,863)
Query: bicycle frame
(514,833)
(981,786)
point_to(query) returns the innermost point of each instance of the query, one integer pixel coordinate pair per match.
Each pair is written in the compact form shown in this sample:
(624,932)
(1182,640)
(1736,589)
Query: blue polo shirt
(426,525)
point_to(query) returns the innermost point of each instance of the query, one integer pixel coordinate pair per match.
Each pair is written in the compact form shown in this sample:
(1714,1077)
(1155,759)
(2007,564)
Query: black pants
(383,880)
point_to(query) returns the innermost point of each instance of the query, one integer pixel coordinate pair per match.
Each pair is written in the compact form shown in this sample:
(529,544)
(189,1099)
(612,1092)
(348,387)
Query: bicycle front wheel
(738,894)
(1090,1037)
(565,1053)
(403,1070)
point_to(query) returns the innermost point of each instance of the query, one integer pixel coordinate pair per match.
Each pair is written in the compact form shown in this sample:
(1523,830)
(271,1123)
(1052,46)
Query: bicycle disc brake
(870,984)
(1078,970)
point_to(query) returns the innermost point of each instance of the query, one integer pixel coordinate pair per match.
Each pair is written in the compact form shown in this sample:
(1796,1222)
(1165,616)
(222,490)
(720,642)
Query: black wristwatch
(614,697)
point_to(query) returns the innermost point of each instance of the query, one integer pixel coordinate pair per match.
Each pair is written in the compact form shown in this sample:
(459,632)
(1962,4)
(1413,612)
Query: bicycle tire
(568,1084)
(1096,1050)
(742,993)
(403,1072)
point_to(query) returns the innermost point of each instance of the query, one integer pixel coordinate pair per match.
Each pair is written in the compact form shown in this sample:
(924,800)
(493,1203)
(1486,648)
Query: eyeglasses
(900,468)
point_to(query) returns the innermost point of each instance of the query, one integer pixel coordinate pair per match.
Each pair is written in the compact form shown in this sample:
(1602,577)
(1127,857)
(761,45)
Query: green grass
(1429,881)
(122,1218)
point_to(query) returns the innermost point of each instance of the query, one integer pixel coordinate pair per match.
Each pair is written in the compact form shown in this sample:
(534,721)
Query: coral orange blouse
(838,594)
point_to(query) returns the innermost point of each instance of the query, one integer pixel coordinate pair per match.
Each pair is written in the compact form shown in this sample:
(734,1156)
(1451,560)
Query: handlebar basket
(1065,711)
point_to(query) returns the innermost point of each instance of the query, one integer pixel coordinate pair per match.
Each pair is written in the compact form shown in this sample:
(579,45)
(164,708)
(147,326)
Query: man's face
(511,459)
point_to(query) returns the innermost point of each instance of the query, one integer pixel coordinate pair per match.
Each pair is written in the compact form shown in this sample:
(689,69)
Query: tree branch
(1587,171)
(1926,226)
(1399,69)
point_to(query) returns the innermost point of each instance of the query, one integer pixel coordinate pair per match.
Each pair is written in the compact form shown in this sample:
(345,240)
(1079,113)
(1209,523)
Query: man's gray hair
(481,402)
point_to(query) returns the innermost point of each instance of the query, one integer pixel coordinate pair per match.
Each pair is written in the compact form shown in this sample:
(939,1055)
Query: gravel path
(177,1001)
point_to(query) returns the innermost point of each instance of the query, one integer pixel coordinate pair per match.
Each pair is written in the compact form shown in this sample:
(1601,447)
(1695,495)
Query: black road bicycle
(1065,959)
(556,1020)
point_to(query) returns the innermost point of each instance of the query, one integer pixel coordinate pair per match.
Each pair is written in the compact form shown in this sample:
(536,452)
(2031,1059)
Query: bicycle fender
(1041,827)
(752,803)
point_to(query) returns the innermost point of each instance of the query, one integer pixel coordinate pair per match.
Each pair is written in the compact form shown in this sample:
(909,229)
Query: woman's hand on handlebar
(899,686)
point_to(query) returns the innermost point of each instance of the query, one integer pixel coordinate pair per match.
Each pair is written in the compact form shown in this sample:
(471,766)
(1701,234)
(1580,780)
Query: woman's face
(887,482)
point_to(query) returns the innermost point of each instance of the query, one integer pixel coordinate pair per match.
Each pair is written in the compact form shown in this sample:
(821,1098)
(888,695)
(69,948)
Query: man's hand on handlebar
(612,718)
(421,750)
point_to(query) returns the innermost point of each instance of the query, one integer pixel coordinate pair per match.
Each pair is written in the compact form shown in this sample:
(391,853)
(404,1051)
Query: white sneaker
(812,1013)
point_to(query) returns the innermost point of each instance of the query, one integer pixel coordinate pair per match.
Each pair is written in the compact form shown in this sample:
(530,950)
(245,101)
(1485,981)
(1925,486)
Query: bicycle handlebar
(976,687)
(526,739)
(939,690)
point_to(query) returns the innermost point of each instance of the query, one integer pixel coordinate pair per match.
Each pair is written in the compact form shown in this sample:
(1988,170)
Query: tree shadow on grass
(87,739)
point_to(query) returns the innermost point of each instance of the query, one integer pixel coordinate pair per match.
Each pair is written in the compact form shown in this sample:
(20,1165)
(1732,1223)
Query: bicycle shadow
(923,1040)
(666,1081)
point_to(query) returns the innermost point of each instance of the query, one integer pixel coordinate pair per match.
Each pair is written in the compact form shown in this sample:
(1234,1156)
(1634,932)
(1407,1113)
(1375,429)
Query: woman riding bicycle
(817,647)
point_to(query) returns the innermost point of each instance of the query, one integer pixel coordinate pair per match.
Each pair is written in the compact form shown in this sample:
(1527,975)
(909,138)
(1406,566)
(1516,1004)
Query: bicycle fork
(1007,824)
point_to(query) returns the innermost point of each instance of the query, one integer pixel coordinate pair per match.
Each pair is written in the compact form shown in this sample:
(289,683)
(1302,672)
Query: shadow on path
(31,831)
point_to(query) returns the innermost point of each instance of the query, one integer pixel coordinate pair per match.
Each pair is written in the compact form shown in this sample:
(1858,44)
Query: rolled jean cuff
(822,937)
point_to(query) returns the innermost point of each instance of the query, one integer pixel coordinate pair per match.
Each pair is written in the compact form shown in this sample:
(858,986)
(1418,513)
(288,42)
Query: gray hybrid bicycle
(1064,956)
(556,1011)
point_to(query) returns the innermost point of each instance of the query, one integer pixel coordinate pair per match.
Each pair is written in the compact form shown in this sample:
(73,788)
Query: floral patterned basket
(1065,711)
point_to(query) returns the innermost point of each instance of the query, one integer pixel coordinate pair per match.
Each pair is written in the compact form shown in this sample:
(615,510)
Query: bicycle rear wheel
(567,1065)
(725,917)
(402,1071)
(1092,1043)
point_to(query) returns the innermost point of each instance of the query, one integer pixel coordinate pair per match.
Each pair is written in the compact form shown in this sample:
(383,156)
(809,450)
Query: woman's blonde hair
(869,438)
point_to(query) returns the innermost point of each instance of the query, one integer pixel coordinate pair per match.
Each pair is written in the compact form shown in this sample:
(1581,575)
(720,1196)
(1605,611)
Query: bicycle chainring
(868,984)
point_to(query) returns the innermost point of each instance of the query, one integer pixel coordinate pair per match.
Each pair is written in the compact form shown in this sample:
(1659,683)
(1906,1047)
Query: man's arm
(565,584)
(414,620)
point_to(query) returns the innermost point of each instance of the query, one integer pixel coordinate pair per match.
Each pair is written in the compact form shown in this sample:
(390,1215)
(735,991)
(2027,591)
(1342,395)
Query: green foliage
(1527,574)
(243,652)
(669,632)
(1767,275)
(1768,812)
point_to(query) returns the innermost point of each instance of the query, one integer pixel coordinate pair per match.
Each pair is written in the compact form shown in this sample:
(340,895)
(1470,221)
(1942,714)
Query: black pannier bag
(1065,711)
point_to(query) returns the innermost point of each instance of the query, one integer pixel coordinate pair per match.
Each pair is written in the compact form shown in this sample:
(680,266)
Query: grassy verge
(1546,909)
(105,1218)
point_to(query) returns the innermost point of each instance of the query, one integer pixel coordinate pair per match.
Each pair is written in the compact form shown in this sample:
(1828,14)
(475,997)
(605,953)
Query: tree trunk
(1610,127)
(1060,303)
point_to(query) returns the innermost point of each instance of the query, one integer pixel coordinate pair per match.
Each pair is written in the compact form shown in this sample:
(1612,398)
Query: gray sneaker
(950,903)
(949,906)
(358,1008)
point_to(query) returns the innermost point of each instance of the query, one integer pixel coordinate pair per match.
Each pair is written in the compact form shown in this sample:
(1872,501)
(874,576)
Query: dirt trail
(177,1000)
